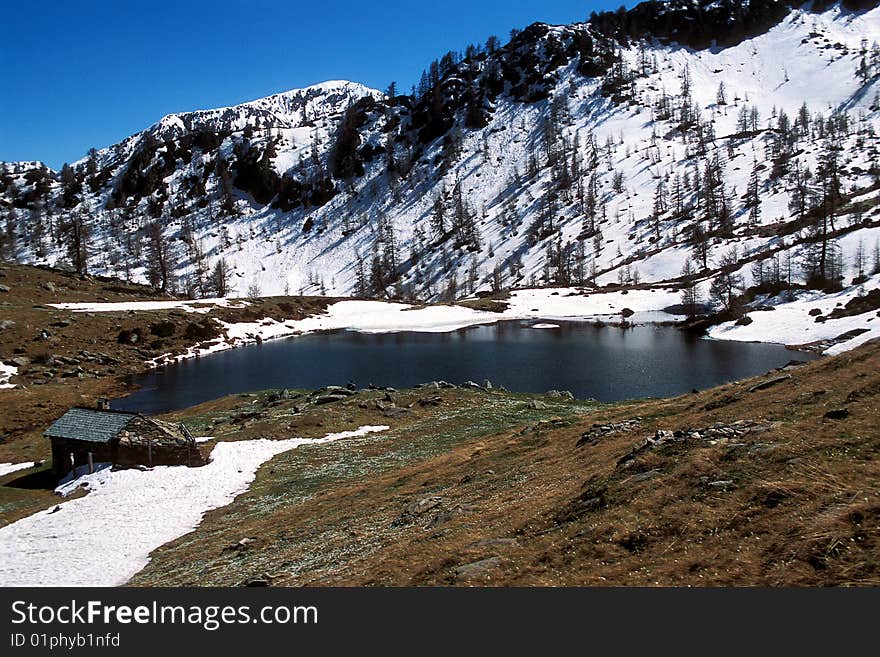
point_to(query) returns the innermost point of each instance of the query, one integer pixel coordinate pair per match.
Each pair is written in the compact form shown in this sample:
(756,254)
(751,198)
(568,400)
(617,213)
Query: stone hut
(84,436)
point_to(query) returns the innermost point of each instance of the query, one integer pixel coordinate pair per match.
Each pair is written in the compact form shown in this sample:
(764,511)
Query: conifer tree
(76,234)
(158,258)
(753,199)
(728,283)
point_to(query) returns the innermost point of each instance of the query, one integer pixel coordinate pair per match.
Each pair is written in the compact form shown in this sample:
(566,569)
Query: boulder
(335,390)
(329,399)
(396,412)
(769,382)
(243,544)
(662,436)
(423,505)
(477,569)
(601,430)
(644,476)
(416,509)
(437,384)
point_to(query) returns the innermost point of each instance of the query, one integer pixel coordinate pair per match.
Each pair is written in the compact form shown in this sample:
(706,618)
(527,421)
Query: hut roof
(90,424)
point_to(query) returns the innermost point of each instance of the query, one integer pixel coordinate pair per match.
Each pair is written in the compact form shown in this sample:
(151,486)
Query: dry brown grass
(802,506)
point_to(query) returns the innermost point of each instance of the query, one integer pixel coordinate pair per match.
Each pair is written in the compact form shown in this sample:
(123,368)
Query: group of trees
(772,273)
(568,263)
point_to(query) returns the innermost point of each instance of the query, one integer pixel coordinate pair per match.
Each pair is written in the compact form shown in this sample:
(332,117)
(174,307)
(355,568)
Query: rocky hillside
(677,141)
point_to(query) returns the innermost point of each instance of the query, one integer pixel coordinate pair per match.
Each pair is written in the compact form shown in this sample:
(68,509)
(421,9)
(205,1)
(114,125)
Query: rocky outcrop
(714,432)
(601,430)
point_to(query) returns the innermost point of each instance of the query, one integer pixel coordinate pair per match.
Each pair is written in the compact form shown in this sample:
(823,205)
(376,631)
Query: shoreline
(792,325)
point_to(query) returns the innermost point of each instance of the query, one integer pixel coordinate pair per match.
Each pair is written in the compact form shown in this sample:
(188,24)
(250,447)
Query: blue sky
(82,74)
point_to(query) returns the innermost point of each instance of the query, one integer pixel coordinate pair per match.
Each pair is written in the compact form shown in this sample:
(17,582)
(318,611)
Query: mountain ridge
(531,163)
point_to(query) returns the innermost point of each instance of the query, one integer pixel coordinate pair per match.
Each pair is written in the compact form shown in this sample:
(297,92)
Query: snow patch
(6,373)
(791,322)
(201,306)
(105,537)
(7,468)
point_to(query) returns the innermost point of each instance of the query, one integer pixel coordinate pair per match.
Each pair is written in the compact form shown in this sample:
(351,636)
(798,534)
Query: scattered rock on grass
(769,382)
(416,509)
(477,569)
(601,430)
(328,399)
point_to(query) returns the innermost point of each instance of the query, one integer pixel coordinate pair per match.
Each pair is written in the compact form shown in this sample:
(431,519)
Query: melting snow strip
(7,468)
(105,537)
(192,306)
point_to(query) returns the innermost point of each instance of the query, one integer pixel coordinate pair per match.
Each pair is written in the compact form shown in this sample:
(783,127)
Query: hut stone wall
(143,441)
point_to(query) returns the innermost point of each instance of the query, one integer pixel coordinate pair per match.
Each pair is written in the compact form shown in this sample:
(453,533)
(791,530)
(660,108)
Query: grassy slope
(480,490)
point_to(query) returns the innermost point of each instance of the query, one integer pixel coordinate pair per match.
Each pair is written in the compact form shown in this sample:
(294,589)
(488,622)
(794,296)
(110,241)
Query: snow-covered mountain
(606,152)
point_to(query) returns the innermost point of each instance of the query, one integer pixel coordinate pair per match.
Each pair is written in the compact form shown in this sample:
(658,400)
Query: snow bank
(791,323)
(7,372)
(381,317)
(191,306)
(387,317)
(105,537)
(572,303)
(7,468)
(547,303)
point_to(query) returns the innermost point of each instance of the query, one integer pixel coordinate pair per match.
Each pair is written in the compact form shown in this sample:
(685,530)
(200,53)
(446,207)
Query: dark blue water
(603,362)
